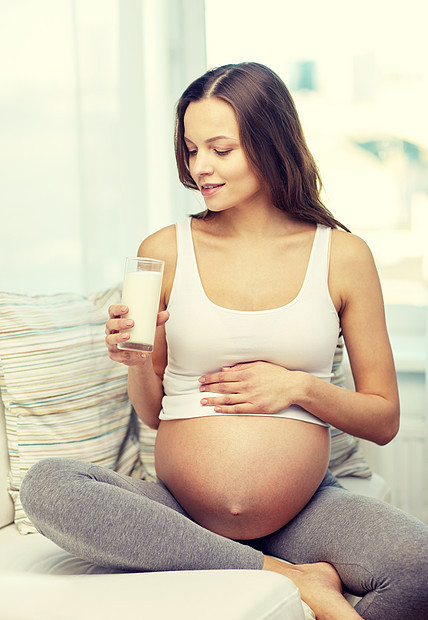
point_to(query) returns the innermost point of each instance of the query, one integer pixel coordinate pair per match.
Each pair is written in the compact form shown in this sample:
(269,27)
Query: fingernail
(128,323)
(204,401)
(202,388)
(201,379)
(123,308)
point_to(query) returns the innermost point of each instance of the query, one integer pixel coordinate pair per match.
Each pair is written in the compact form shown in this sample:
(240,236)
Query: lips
(209,189)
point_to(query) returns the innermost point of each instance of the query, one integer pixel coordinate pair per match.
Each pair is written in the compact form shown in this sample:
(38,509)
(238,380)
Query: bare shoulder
(161,245)
(353,273)
(349,251)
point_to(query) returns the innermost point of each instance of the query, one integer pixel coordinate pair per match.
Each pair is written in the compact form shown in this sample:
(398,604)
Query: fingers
(231,404)
(227,399)
(223,383)
(117,331)
(123,356)
(163,316)
(225,376)
(116,322)
(117,310)
(116,327)
(129,358)
(221,388)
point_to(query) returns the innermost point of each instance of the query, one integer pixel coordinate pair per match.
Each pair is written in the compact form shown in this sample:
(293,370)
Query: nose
(201,165)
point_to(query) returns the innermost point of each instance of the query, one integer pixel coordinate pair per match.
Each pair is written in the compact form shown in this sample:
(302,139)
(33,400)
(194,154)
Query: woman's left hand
(251,387)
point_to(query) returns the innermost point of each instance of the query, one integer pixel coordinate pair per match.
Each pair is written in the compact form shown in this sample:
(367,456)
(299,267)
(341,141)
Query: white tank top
(203,337)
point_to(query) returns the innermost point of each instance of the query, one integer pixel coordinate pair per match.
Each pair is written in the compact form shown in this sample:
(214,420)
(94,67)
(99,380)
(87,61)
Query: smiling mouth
(210,189)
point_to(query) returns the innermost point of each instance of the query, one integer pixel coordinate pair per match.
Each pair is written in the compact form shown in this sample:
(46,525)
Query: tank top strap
(184,241)
(318,268)
(186,275)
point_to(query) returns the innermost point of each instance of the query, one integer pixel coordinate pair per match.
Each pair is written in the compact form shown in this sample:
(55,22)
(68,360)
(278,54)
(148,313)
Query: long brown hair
(270,133)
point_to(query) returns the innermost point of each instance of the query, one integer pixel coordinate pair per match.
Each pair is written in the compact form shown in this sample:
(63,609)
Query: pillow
(346,457)
(63,395)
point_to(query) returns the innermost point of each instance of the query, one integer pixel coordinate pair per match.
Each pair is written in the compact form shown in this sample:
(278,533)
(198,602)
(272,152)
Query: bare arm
(372,412)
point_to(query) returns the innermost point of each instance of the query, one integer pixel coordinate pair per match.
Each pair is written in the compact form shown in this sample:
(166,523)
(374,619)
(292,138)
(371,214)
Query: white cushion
(39,555)
(184,595)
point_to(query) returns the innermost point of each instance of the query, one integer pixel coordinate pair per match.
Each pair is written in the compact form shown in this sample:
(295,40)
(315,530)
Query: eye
(222,153)
(191,152)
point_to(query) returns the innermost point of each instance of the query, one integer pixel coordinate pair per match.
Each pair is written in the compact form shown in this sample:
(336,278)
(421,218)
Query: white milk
(141,292)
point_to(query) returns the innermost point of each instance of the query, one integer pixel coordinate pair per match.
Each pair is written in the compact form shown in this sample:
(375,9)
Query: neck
(264,221)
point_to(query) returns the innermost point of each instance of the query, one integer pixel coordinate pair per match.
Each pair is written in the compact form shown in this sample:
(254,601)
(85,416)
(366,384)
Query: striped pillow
(346,456)
(63,396)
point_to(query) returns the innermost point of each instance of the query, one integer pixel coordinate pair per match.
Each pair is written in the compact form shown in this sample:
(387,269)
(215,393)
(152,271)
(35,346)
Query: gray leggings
(380,552)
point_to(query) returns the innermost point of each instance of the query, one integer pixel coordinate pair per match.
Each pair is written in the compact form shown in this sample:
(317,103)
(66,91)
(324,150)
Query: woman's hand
(116,333)
(252,387)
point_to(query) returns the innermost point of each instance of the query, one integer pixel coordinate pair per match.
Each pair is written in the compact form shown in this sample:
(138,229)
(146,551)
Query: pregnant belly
(239,476)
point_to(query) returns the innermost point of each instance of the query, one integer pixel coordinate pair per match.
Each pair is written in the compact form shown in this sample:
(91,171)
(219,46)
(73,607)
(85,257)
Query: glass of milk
(141,293)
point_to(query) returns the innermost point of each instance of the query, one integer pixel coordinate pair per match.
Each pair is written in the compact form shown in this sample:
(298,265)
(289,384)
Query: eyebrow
(214,139)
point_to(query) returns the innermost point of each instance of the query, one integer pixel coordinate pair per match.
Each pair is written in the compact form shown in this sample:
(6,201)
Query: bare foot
(320,587)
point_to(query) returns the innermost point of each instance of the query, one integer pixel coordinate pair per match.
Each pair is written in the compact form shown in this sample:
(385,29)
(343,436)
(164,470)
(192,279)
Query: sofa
(62,396)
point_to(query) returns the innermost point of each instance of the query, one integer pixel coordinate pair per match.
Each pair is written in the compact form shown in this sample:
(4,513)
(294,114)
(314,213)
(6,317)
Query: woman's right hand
(116,333)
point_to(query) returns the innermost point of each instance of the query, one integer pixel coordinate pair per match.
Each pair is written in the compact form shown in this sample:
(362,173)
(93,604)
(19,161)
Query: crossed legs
(379,552)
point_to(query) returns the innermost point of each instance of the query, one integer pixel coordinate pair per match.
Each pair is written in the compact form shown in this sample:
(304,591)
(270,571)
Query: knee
(408,573)
(35,482)
(40,483)
(413,572)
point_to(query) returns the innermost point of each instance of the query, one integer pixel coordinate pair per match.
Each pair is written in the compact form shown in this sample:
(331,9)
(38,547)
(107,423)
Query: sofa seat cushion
(184,595)
(38,555)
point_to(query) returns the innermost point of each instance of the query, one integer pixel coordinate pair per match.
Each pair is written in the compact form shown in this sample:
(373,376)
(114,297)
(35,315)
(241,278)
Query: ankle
(280,566)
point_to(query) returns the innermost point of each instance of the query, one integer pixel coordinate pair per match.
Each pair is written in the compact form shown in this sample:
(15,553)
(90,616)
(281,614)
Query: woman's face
(217,161)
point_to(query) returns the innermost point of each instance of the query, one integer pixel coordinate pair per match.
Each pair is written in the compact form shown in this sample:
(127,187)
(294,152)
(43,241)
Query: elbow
(384,439)
(389,430)
(150,421)
(153,424)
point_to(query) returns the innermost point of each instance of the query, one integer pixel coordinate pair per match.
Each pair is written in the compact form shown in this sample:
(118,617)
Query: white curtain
(87,96)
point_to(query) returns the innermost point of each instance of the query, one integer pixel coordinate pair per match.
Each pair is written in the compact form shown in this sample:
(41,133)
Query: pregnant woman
(256,291)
